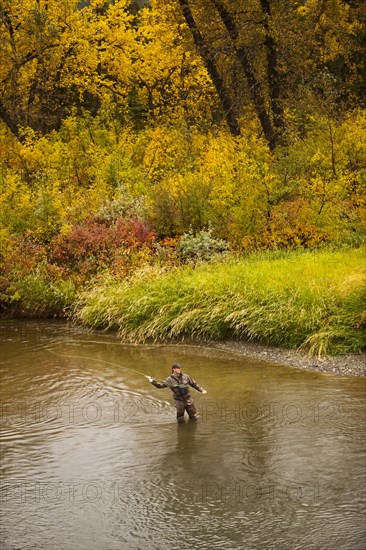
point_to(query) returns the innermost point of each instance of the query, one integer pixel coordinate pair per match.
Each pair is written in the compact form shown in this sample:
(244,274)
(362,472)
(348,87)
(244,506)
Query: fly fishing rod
(98,360)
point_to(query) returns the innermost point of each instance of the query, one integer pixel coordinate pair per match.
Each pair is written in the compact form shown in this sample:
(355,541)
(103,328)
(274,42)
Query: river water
(92,457)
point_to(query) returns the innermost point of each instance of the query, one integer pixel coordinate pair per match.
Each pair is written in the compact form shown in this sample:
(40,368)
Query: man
(179,384)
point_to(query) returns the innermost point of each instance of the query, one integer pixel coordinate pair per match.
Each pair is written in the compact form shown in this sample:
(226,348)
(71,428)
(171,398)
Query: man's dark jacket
(179,385)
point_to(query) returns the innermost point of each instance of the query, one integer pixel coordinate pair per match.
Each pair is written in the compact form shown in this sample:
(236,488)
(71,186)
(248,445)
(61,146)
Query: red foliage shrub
(23,256)
(96,244)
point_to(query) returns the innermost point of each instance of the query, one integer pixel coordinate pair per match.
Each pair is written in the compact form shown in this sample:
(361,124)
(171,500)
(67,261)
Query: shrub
(202,246)
(101,244)
(29,284)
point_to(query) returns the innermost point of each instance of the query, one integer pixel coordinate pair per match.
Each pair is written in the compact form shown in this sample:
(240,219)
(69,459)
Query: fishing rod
(99,360)
(108,343)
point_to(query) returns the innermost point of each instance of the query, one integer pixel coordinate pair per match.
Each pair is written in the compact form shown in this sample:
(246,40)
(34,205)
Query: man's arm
(196,386)
(156,383)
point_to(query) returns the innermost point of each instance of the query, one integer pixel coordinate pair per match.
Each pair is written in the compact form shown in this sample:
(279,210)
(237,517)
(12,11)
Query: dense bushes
(29,284)
(42,278)
(95,197)
(99,244)
(174,182)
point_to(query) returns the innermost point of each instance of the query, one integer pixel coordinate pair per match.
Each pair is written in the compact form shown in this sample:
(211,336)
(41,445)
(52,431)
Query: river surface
(92,457)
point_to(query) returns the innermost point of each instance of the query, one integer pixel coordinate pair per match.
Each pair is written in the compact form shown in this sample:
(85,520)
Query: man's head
(176,368)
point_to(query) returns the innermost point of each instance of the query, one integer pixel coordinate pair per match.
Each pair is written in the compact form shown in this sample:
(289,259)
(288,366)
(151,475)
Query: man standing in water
(179,384)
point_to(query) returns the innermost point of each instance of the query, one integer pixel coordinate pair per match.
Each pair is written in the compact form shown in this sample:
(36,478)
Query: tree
(58,55)
(263,56)
(169,84)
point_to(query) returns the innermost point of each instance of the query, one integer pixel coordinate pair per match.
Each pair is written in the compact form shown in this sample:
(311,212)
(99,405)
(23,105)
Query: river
(92,457)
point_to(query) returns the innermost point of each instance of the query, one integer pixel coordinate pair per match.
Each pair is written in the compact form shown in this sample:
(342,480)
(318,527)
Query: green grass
(310,300)
(37,296)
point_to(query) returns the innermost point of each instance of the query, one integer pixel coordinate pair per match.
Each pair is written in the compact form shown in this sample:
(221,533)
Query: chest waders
(179,385)
(183,402)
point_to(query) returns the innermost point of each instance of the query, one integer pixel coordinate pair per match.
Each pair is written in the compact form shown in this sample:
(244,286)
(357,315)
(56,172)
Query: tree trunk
(266,99)
(9,122)
(211,66)
(272,70)
(253,84)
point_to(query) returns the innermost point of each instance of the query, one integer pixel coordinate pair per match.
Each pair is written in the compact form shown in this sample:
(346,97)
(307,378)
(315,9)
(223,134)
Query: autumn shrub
(19,255)
(292,224)
(200,246)
(29,284)
(167,252)
(100,244)
(41,277)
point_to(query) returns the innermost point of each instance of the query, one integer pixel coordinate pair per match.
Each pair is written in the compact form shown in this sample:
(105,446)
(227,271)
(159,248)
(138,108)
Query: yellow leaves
(58,47)
(217,160)
(165,152)
(16,206)
(111,39)
(54,52)
(317,157)
(52,183)
(302,10)
(353,132)
(169,76)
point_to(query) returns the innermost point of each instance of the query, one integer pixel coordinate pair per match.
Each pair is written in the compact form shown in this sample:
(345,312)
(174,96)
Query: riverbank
(350,364)
(353,364)
(312,301)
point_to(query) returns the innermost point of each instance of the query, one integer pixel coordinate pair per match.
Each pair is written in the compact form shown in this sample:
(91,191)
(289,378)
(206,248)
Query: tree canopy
(197,61)
(248,117)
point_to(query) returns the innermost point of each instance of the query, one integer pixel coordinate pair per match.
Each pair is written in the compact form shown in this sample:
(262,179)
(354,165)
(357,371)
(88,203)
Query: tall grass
(310,300)
(35,295)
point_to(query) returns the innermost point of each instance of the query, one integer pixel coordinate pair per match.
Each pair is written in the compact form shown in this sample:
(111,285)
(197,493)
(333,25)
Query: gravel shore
(353,364)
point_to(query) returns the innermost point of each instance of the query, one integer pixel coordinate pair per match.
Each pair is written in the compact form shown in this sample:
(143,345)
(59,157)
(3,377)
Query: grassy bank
(310,300)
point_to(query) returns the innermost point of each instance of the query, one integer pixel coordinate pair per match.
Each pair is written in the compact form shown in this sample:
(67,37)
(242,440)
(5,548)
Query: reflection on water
(92,456)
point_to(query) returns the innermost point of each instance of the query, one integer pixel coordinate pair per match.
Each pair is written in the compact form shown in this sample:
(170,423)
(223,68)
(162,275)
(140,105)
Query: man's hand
(204,391)
(150,379)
